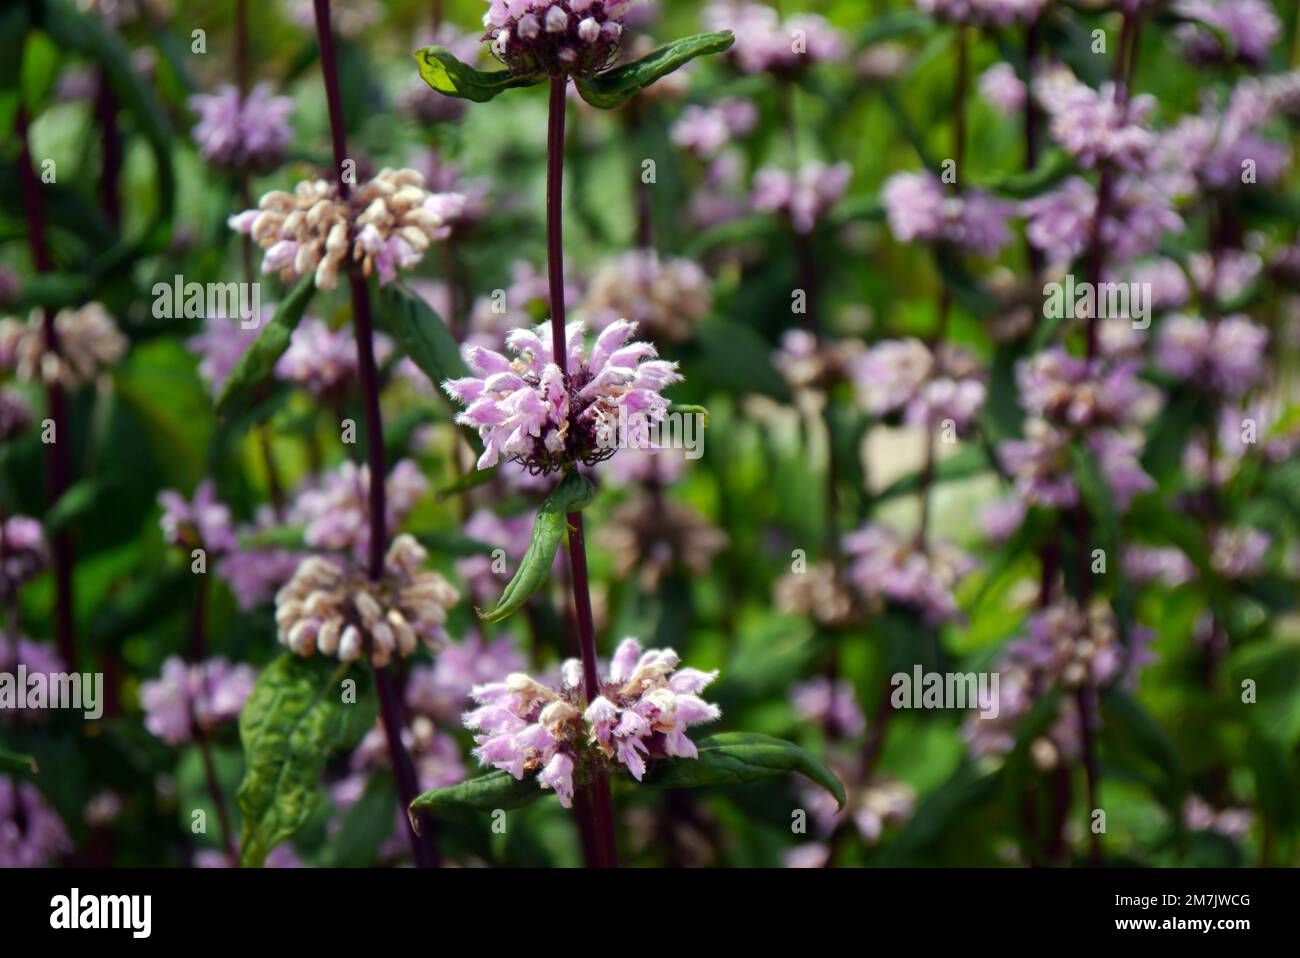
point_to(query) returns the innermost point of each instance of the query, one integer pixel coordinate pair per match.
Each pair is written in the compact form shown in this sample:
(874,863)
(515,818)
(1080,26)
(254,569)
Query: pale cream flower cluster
(335,609)
(385,225)
(88,340)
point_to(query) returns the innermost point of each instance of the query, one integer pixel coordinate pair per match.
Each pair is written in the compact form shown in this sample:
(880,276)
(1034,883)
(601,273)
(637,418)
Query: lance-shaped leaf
(15,762)
(294,718)
(573,494)
(615,87)
(739,758)
(485,793)
(421,333)
(441,70)
(255,366)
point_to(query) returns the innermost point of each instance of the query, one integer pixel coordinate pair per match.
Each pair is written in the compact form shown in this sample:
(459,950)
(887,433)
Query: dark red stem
(599,804)
(423,845)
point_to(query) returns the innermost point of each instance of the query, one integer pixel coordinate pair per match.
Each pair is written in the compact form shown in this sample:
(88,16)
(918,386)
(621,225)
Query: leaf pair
(730,758)
(573,494)
(445,73)
(295,717)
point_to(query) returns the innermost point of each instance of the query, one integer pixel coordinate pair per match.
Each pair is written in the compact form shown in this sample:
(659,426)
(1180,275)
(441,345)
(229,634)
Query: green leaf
(79,499)
(615,87)
(291,722)
(14,762)
(486,793)
(690,410)
(738,758)
(472,480)
(421,333)
(255,366)
(276,537)
(573,494)
(39,68)
(441,70)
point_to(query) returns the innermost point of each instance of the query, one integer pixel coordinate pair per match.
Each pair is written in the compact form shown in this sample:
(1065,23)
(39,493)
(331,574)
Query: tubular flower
(642,712)
(249,132)
(530,412)
(666,298)
(336,609)
(88,338)
(927,386)
(23,553)
(31,832)
(555,37)
(385,225)
(186,697)
(803,197)
(204,522)
(887,567)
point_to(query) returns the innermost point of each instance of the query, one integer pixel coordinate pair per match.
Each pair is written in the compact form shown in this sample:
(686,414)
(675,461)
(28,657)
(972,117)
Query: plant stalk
(599,803)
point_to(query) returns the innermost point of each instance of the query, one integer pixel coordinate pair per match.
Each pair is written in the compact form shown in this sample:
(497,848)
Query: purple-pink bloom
(322,360)
(31,833)
(832,705)
(203,523)
(1252,25)
(1002,89)
(526,410)
(887,566)
(803,197)
(249,133)
(1227,355)
(186,697)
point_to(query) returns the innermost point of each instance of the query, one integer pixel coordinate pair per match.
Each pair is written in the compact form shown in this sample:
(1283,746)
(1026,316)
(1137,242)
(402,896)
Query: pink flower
(204,523)
(527,410)
(31,833)
(252,133)
(646,704)
(201,696)
(804,197)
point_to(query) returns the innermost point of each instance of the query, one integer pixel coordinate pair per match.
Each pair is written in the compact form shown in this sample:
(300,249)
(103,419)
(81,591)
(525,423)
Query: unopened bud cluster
(88,340)
(555,37)
(385,225)
(334,609)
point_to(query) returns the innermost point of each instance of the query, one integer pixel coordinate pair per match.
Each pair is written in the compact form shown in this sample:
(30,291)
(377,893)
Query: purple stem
(423,843)
(599,805)
(58,464)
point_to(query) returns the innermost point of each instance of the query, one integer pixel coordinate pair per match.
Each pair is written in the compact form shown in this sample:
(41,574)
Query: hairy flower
(705,129)
(1094,126)
(653,538)
(385,225)
(803,197)
(555,37)
(927,387)
(37,658)
(1001,13)
(1002,89)
(644,707)
(335,512)
(221,344)
(919,208)
(442,690)
(1227,355)
(334,608)
(832,705)
(31,833)
(188,697)
(765,42)
(665,298)
(243,133)
(23,553)
(324,360)
(530,412)
(1252,26)
(204,523)
(88,341)
(886,566)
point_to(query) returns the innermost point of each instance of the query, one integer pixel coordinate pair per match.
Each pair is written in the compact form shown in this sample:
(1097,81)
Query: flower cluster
(919,208)
(928,386)
(766,43)
(645,705)
(334,608)
(653,538)
(31,833)
(36,658)
(803,197)
(1000,13)
(324,360)
(1226,355)
(1251,25)
(385,225)
(243,133)
(204,523)
(529,411)
(817,592)
(885,566)
(187,698)
(831,705)
(706,129)
(88,341)
(665,298)
(1095,125)
(23,553)
(555,37)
